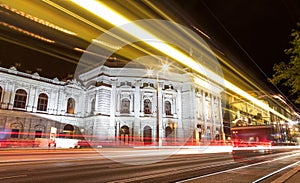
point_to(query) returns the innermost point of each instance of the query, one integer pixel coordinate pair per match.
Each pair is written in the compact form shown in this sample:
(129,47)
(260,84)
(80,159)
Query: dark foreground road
(138,165)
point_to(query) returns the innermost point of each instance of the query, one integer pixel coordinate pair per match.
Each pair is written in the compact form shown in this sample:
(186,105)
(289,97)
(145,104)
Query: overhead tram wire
(239,45)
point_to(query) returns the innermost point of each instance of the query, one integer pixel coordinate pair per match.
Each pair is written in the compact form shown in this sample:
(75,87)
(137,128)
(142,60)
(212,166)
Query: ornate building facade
(110,104)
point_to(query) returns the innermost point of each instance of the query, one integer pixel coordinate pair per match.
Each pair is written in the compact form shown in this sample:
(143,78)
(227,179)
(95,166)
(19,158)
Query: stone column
(179,112)
(61,102)
(12,95)
(204,111)
(97,100)
(131,107)
(222,134)
(213,120)
(35,100)
(159,112)
(55,106)
(30,97)
(137,108)
(51,102)
(112,123)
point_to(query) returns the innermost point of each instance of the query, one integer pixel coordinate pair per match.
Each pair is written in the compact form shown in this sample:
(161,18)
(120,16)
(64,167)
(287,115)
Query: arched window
(0,93)
(125,104)
(147,106)
(42,102)
(71,106)
(20,99)
(168,108)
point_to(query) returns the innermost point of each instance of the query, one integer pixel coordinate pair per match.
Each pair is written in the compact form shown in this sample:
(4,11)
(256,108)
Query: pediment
(74,84)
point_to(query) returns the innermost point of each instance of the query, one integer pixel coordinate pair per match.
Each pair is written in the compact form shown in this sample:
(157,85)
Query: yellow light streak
(100,9)
(26,32)
(163,14)
(37,20)
(93,25)
(89,52)
(259,103)
(102,43)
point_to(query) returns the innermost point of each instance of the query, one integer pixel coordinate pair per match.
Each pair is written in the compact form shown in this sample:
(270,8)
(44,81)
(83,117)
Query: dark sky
(255,32)
(259,28)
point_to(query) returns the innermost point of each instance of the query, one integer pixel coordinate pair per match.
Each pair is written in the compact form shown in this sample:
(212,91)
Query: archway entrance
(68,131)
(147,135)
(124,134)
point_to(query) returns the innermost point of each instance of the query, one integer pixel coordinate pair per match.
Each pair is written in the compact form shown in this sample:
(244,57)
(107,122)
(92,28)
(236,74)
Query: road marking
(241,167)
(13,176)
(269,175)
(168,172)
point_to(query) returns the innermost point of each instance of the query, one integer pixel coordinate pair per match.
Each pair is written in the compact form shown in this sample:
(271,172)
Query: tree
(288,74)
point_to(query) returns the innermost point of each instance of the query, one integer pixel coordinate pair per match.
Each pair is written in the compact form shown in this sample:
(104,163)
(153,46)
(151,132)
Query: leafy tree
(288,74)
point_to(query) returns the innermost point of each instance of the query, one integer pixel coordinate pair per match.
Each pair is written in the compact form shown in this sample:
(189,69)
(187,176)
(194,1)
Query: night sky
(254,33)
(260,29)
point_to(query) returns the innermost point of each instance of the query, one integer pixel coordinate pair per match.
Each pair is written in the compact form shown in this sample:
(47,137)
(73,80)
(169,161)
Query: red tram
(252,136)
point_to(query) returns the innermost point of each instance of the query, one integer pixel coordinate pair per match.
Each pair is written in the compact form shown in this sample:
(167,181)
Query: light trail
(155,8)
(36,36)
(103,11)
(13,176)
(96,27)
(238,168)
(37,20)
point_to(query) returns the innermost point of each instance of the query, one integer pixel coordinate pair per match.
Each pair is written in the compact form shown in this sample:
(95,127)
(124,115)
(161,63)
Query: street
(135,165)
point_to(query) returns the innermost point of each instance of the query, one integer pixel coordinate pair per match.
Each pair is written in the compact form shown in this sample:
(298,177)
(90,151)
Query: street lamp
(165,67)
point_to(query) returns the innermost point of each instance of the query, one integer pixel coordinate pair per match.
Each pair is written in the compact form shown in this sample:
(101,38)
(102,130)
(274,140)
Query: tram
(252,136)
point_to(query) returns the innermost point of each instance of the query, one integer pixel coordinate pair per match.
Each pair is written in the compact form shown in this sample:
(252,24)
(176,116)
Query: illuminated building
(110,104)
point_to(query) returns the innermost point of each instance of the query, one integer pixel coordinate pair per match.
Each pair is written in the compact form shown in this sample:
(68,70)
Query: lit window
(20,99)
(42,102)
(71,106)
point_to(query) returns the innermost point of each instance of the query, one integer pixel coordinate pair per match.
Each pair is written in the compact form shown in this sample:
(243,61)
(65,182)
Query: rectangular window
(125,106)
(42,105)
(20,102)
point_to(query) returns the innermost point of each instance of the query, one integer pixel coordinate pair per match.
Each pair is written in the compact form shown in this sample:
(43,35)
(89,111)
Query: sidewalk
(289,177)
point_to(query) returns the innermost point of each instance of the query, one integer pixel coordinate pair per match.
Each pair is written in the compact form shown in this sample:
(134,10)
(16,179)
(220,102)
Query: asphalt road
(132,165)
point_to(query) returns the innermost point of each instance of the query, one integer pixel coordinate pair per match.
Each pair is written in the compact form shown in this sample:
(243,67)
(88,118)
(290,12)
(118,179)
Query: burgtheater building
(111,104)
